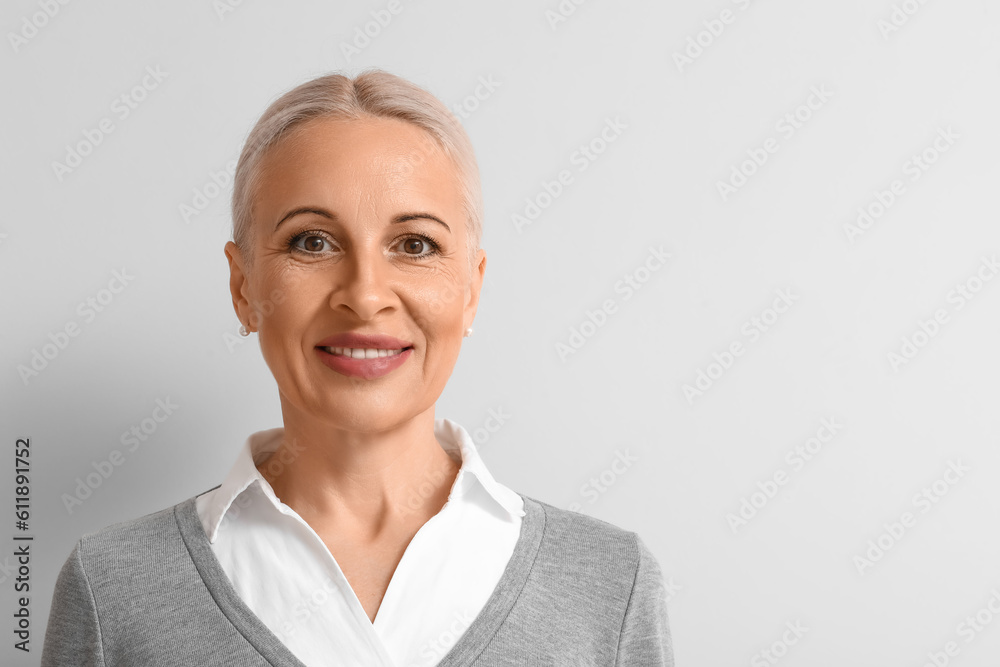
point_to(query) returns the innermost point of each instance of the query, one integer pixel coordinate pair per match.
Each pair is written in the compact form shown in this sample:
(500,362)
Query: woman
(364,531)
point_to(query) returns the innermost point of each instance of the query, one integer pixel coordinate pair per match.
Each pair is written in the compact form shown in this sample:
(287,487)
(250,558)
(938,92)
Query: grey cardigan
(149,592)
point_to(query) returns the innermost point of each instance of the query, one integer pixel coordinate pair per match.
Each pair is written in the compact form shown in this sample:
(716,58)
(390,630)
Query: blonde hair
(373,93)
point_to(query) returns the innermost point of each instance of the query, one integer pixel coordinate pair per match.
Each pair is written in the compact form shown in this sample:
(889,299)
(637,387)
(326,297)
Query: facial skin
(358,447)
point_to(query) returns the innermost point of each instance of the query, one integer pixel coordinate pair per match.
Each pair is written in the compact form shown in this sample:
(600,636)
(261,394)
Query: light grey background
(891,73)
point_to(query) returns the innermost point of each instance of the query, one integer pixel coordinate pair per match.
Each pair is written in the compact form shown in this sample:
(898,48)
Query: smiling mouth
(363,353)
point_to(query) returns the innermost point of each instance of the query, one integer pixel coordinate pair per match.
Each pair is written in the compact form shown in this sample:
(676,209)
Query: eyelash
(433,243)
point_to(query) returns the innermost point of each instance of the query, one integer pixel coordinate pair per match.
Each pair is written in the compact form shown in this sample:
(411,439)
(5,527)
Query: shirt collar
(454,439)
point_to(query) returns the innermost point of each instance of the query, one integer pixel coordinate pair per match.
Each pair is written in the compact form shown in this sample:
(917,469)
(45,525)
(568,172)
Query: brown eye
(418,247)
(314,243)
(309,243)
(414,246)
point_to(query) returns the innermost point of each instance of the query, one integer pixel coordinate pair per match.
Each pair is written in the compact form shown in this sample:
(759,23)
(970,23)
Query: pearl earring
(468,332)
(243,330)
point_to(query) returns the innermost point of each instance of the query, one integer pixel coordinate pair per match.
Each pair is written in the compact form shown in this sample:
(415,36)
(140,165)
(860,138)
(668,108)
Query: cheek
(282,333)
(286,303)
(438,310)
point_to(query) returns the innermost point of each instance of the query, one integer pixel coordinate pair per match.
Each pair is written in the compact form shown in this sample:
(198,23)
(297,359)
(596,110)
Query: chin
(362,413)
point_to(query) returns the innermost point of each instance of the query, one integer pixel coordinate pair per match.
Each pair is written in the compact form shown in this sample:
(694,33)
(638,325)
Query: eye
(419,246)
(316,243)
(311,243)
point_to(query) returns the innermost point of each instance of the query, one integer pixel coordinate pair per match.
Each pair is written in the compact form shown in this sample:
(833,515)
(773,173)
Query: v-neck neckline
(252,628)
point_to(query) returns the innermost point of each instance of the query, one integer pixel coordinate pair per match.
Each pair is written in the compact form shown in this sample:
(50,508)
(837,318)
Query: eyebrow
(402,217)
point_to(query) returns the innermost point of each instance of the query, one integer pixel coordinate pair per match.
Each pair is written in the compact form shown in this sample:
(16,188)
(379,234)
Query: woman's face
(359,227)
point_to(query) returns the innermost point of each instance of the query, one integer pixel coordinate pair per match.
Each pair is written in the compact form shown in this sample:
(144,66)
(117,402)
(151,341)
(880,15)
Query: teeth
(358,353)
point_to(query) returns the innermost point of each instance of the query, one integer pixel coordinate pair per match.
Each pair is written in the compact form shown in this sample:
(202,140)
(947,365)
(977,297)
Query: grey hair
(373,93)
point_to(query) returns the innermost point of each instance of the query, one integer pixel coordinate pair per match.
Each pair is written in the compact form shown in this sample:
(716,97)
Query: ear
(475,287)
(239,286)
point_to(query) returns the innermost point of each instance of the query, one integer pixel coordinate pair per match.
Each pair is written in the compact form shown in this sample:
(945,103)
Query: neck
(368,482)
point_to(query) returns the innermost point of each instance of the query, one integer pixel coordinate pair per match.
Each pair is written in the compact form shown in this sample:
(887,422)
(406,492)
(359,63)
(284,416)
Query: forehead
(383,161)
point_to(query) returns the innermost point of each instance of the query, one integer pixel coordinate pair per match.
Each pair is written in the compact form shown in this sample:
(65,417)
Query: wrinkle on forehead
(400,155)
(381,167)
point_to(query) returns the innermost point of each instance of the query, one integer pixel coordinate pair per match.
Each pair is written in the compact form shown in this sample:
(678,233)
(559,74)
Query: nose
(361,284)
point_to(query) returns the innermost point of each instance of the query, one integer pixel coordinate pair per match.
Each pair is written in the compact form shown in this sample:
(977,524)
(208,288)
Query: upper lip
(364,341)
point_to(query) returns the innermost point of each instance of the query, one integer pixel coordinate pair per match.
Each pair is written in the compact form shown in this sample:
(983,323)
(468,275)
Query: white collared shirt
(286,575)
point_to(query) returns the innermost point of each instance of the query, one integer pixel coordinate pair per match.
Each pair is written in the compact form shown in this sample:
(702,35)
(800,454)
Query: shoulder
(597,578)
(134,546)
(136,529)
(586,545)
(569,526)
(128,591)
